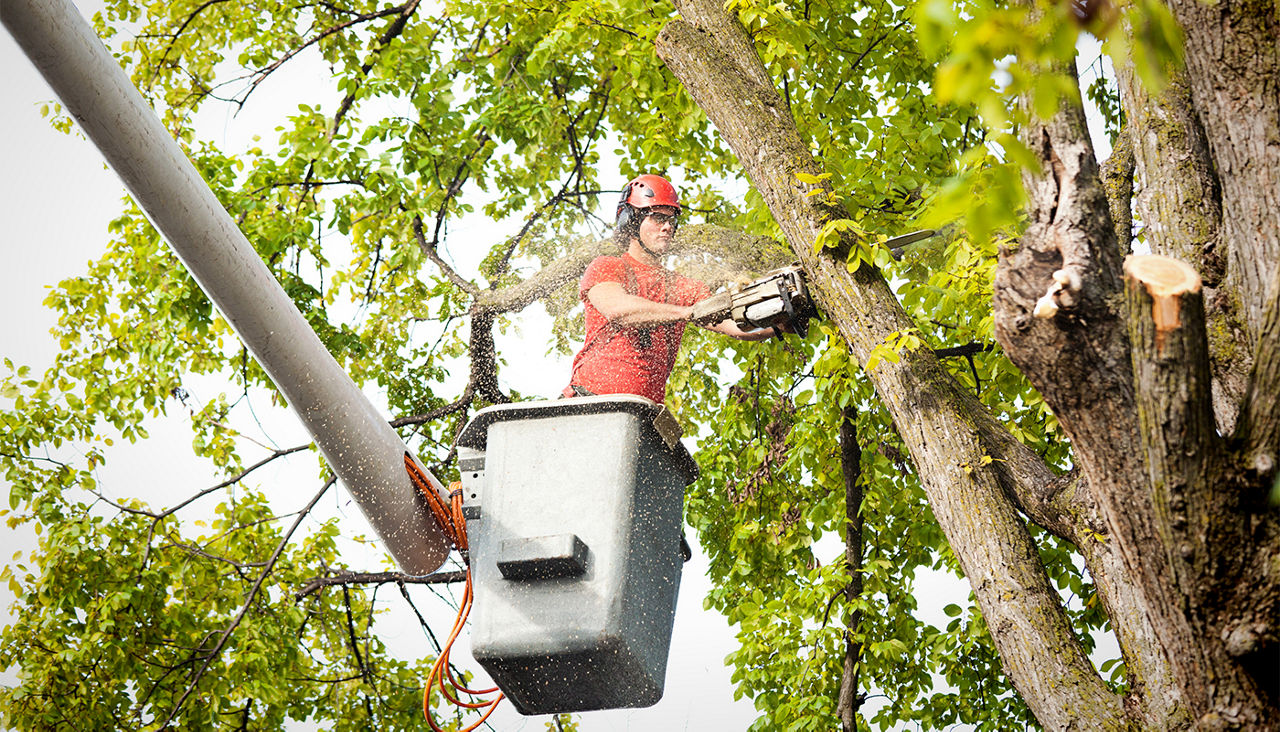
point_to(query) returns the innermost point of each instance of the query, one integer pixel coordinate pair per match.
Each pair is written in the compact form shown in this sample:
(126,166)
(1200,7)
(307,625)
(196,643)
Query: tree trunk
(1168,515)
(965,459)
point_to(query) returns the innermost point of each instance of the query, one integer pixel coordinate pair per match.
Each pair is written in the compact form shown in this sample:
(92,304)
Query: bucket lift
(573,512)
(573,507)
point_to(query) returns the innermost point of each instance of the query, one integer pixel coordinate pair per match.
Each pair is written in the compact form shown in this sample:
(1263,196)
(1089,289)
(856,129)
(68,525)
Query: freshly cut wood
(1166,280)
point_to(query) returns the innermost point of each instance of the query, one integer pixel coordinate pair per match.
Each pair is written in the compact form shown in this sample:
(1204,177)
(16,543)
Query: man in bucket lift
(636,309)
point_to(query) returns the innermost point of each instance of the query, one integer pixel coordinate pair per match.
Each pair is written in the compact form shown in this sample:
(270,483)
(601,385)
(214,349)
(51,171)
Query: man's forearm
(730,328)
(631,311)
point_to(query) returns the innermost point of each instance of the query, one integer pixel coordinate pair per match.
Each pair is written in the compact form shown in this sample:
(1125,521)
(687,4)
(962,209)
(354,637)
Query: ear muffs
(626,216)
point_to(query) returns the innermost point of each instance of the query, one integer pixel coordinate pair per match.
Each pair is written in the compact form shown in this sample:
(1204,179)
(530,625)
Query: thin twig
(434,414)
(429,250)
(225,636)
(234,479)
(404,592)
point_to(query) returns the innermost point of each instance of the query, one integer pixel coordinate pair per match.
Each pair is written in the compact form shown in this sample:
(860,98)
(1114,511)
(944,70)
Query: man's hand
(712,310)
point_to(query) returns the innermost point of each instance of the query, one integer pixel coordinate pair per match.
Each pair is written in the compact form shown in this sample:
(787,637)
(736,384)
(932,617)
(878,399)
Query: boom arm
(359,445)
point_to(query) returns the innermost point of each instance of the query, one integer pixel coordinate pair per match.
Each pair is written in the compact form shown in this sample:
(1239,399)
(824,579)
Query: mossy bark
(967,462)
(1232,68)
(1180,195)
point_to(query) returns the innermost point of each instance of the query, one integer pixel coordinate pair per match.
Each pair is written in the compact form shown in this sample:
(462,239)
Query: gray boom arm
(361,447)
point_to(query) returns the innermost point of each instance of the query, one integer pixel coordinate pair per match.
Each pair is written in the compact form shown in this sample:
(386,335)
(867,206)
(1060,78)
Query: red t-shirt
(616,360)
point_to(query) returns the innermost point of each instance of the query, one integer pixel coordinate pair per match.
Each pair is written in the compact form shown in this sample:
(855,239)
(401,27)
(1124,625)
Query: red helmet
(646,191)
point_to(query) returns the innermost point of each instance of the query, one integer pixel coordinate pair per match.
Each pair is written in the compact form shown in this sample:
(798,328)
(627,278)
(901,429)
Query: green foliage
(104,624)
(522,114)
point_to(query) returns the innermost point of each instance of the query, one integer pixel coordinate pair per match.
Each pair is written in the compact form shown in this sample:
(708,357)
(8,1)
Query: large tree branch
(346,578)
(484,360)
(1200,505)
(964,457)
(1233,73)
(1180,440)
(1117,175)
(1260,421)
(1180,198)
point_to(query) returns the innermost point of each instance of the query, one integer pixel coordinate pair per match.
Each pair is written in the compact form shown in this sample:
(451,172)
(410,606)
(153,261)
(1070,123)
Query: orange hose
(454,526)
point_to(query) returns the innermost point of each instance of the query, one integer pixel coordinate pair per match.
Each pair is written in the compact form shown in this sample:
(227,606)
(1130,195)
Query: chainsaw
(778,298)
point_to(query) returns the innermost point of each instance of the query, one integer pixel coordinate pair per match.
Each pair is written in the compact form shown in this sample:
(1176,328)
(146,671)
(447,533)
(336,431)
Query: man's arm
(633,311)
(730,328)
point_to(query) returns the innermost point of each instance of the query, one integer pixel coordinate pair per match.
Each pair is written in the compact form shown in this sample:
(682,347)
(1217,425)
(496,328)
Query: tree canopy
(992,402)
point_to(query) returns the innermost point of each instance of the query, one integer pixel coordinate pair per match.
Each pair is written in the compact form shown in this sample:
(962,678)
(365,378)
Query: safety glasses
(664,218)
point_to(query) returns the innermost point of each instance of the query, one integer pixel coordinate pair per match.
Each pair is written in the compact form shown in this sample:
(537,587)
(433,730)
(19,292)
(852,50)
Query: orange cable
(454,526)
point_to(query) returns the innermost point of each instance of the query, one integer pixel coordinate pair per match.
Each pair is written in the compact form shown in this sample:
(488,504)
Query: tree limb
(233,479)
(1117,177)
(1259,424)
(484,360)
(849,700)
(345,578)
(965,458)
(1180,439)
(1232,72)
(261,75)
(430,416)
(396,28)
(1060,317)
(431,253)
(351,636)
(1181,195)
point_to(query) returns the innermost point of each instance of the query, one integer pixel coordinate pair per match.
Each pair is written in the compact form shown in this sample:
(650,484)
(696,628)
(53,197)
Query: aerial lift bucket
(573,513)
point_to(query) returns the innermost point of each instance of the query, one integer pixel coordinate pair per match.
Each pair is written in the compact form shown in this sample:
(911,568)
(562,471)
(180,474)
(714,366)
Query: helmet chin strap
(647,249)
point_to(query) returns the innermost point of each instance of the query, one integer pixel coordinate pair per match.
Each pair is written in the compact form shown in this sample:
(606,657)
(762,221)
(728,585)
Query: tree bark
(1179,200)
(1117,176)
(851,466)
(965,459)
(1233,71)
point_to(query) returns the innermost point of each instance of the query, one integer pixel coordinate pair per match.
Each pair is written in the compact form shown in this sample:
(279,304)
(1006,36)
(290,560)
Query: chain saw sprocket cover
(778,298)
